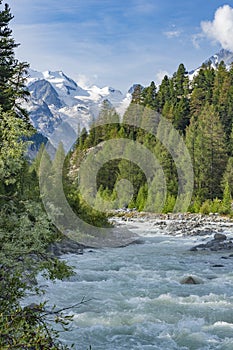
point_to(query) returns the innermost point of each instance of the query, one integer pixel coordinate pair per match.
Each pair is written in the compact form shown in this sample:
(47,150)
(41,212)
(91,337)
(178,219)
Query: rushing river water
(137,300)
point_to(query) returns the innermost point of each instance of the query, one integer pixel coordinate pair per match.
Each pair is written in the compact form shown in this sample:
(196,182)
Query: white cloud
(196,38)
(172,34)
(160,75)
(221,28)
(84,81)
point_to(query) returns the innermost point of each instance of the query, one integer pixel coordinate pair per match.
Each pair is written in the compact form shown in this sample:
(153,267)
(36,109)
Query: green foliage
(228,175)
(24,238)
(25,328)
(202,111)
(25,230)
(142,197)
(83,211)
(137,95)
(216,206)
(12,72)
(206,207)
(226,201)
(169,204)
(206,142)
(195,205)
(149,96)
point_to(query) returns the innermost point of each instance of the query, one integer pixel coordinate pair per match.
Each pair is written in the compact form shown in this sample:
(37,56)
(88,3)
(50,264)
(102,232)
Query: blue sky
(119,42)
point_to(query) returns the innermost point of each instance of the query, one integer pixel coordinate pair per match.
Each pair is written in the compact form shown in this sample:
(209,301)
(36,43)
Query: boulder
(66,246)
(219,242)
(190,280)
(220,237)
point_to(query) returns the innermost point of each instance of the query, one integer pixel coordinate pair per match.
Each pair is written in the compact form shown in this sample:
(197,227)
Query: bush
(206,207)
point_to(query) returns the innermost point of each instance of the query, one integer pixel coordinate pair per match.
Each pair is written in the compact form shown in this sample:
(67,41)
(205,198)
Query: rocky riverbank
(114,237)
(211,227)
(216,230)
(66,246)
(185,224)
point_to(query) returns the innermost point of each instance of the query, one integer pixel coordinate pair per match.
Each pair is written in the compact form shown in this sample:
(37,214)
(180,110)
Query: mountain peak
(59,106)
(223,55)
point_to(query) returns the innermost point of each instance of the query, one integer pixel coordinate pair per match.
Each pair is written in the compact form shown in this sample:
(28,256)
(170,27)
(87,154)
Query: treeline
(201,110)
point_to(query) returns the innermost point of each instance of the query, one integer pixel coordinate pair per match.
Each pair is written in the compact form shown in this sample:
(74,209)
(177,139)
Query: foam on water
(138,302)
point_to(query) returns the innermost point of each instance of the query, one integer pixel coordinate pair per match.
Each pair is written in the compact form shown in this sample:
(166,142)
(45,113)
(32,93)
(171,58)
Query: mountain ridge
(59,107)
(57,102)
(223,55)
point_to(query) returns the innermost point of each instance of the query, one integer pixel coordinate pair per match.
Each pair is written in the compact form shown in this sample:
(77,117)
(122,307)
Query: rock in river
(190,280)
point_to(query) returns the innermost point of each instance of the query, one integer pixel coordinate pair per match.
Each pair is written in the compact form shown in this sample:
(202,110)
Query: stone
(220,237)
(66,246)
(190,280)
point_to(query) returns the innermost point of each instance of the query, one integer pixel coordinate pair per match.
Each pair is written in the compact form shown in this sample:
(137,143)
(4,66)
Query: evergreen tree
(228,175)
(168,110)
(220,76)
(225,102)
(164,93)
(227,199)
(82,137)
(142,197)
(137,95)
(25,230)
(206,141)
(176,107)
(132,120)
(104,126)
(149,121)
(202,89)
(181,82)
(190,140)
(149,96)
(181,114)
(168,166)
(12,72)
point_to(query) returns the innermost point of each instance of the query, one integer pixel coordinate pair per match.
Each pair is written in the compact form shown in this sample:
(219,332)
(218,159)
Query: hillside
(185,124)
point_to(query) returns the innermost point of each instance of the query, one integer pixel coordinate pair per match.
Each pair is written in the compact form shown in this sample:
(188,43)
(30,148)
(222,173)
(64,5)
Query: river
(136,300)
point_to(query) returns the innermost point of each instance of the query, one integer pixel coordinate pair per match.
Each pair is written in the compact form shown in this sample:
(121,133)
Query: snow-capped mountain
(59,107)
(223,55)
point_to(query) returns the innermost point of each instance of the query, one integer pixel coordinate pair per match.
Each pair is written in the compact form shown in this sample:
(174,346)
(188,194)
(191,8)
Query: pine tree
(181,114)
(137,95)
(227,199)
(190,140)
(25,230)
(207,144)
(141,197)
(202,89)
(164,93)
(149,95)
(106,123)
(181,82)
(82,137)
(132,119)
(220,77)
(228,175)
(168,110)
(12,72)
